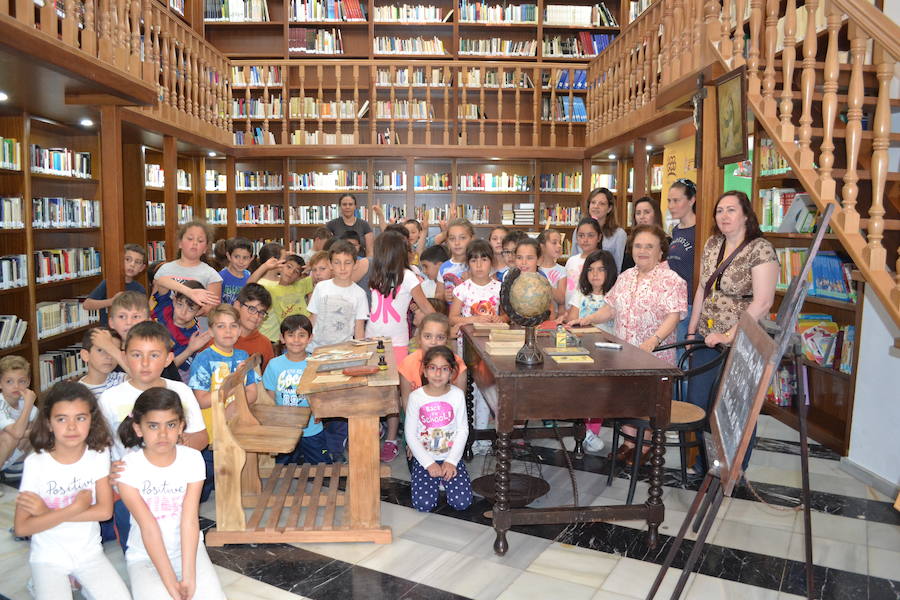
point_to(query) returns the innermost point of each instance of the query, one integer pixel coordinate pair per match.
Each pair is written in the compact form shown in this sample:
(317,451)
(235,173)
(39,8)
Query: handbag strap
(716,276)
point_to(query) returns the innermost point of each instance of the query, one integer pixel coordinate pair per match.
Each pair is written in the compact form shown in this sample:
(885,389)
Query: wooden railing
(410,103)
(798,98)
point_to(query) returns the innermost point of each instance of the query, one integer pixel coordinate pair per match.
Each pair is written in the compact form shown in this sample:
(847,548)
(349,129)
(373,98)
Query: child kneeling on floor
(436,430)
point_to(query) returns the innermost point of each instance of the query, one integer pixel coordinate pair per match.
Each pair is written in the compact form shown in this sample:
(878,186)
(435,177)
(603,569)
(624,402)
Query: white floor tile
(607,595)
(245,588)
(444,532)
(831,553)
(742,536)
(635,578)
(571,563)
(884,563)
(757,513)
(532,586)
(472,577)
(523,549)
(713,588)
(833,527)
(882,535)
(407,559)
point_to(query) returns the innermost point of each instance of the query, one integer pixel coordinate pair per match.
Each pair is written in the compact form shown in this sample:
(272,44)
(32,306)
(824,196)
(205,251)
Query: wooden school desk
(619,383)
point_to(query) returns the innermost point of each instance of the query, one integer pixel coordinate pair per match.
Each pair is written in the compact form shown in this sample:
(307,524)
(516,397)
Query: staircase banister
(875,23)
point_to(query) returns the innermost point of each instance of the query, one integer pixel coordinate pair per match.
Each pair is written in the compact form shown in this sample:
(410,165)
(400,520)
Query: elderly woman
(647,302)
(738,273)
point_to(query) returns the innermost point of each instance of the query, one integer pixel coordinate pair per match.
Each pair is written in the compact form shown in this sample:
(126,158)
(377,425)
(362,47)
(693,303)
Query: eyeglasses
(443,369)
(508,252)
(255,311)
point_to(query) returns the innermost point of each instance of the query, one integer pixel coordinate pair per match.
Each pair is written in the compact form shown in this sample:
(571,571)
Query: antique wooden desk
(619,383)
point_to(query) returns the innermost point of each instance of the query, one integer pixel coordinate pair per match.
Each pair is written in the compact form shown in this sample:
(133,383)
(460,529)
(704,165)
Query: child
(436,432)
(239,252)
(430,263)
(528,256)
(253,304)
(101,365)
(509,252)
(393,287)
(338,307)
(64,492)
(179,314)
(588,235)
(320,237)
(320,266)
(434,331)
(135,261)
(17,409)
(496,241)
(160,485)
(598,275)
(288,294)
(282,377)
(550,242)
(193,240)
(477,300)
(212,366)
(459,233)
(416,237)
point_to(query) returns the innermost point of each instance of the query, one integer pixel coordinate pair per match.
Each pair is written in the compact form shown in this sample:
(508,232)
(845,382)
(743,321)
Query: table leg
(656,479)
(364,480)
(501,503)
(580,433)
(470,414)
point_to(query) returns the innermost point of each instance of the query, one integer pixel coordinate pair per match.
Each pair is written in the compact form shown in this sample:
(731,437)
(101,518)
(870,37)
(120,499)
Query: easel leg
(501,503)
(698,544)
(704,507)
(802,409)
(657,460)
(364,482)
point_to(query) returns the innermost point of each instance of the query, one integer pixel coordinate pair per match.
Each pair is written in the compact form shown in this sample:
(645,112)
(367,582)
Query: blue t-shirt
(231,285)
(210,368)
(164,312)
(451,273)
(282,376)
(100,293)
(681,255)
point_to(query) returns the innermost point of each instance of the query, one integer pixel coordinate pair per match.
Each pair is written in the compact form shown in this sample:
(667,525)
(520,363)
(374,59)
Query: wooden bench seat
(267,438)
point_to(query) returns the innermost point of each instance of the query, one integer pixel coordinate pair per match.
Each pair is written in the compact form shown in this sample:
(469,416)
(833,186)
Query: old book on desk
(503,348)
(480,326)
(572,359)
(568,351)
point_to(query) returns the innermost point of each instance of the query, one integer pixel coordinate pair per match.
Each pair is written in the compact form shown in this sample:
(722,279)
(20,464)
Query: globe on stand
(526,297)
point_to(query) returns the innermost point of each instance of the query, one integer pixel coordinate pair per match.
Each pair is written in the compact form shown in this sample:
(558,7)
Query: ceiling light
(612,157)
(4,97)
(86,122)
(649,147)
(211,154)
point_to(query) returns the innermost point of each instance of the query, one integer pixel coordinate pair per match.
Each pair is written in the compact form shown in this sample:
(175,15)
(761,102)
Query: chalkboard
(745,378)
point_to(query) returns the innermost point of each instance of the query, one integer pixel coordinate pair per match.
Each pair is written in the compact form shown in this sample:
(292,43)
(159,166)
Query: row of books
(827,343)
(471,77)
(322,138)
(155,214)
(13,271)
(185,213)
(583,45)
(561,182)
(308,107)
(387,137)
(60,161)
(393,212)
(338,179)
(497,47)
(256,76)
(476,215)
(410,13)
(260,214)
(417,76)
(564,109)
(605,180)
(304,40)
(470,110)
(11,213)
(257,136)
(216,181)
(301,246)
(771,161)
(258,180)
(62,213)
(787,211)
(560,215)
(416,45)
(177,6)
(156,250)
(517,214)
(61,365)
(217,216)
(562,14)
(60,264)
(403,109)
(432,182)
(478,12)
(636,7)
(259,243)
(257,108)
(579,80)
(155,177)
(53,318)
(830,277)
(394,181)
(494,182)
(10,154)
(327,10)
(318,215)
(12,331)
(236,11)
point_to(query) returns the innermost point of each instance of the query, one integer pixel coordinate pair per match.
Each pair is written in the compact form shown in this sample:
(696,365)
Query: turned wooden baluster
(667,25)
(737,56)
(627,103)
(482,111)
(678,22)
(70,24)
(536,107)
(726,47)
(392,103)
(173,66)
(446,82)
(246,113)
(25,12)
(410,114)
(133,64)
(684,34)
(320,98)
(571,127)
(639,75)
(373,110)
(49,18)
(121,38)
(753,80)
(788,55)
(189,64)
(874,252)
(89,33)
(807,86)
(301,109)
(769,106)
(266,99)
(166,98)
(337,98)
(554,111)
(356,105)
(825,182)
(647,74)
(698,40)
(622,103)
(147,64)
(654,61)
(853,133)
(104,43)
(203,78)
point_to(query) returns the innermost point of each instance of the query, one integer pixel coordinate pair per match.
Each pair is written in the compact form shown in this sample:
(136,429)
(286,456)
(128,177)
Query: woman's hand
(714,339)
(649,344)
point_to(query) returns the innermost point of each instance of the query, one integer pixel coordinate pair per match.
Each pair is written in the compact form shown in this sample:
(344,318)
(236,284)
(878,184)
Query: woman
(646,212)
(738,273)
(647,302)
(601,205)
(682,203)
(348,221)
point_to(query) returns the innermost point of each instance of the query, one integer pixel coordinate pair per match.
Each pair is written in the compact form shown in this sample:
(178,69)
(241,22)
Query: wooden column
(170,194)
(111,194)
(710,176)
(640,168)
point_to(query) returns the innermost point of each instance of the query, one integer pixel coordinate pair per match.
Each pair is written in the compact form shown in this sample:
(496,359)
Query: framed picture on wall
(731,117)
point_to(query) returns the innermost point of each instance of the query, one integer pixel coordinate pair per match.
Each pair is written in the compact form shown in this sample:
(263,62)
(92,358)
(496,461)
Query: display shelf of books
(561,190)
(315,186)
(260,195)
(391,190)
(243,12)
(489,192)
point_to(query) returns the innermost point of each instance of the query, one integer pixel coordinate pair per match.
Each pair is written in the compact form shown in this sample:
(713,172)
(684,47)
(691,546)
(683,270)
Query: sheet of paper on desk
(572,359)
(335,378)
(568,351)
(342,355)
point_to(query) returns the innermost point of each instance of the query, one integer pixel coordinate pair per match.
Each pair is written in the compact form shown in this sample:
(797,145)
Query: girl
(550,242)
(601,206)
(587,234)
(496,241)
(477,299)
(64,492)
(459,233)
(528,257)
(434,331)
(436,432)
(160,484)
(597,278)
(393,285)
(193,241)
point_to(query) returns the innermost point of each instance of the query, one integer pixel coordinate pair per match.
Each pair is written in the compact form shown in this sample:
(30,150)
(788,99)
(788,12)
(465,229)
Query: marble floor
(754,551)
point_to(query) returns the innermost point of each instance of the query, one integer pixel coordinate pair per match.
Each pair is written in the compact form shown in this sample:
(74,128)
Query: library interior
(660,238)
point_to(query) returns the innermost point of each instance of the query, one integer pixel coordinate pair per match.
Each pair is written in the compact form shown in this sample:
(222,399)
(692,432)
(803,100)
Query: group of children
(144,405)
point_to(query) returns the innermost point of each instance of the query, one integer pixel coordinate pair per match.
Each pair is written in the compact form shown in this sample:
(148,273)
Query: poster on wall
(678,162)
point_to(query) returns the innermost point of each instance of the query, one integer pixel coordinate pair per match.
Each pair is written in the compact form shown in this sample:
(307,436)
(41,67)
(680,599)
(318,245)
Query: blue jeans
(681,333)
(209,484)
(311,450)
(336,431)
(123,522)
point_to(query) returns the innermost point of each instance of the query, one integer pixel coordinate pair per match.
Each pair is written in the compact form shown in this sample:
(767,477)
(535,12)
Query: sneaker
(592,442)
(389,451)
(672,437)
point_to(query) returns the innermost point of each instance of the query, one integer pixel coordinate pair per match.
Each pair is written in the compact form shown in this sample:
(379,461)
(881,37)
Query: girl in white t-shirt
(64,493)
(588,235)
(393,285)
(194,239)
(160,484)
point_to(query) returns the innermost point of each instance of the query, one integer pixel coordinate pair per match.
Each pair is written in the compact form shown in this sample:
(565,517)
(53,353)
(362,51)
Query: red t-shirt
(411,368)
(253,343)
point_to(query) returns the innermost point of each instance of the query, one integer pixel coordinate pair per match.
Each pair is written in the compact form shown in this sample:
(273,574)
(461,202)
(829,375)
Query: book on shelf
(256,76)
(259,243)
(177,6)
(257,108)
(60,264)
(494,182)
(11,213)
(786,211)
(216,181)
(560,215)
(469,110)
(432,182)
(319,137)
(59,316)
(830,276)
(825,342)
(497,47)
(583,45)
(564,109)
(416,45)
(472,77)
(156,251)
(336,180)
(185,214)
(327,11)
(13,271)
(154,176)
(258,181)
(60,365)
(308,107)
(783,388)
(257,136)
(408,13)
(564,81)
(597,15)
(62,213)
(403,109)
(236,11)
(477,215)
(561,182)
(636,7)
(387,137)
(10,154)
(259,214)
(155,214)
(419,77)
(605,180)
(183,180)
(319,214)
(217,216)
(656,178)
(301,246)
(392,181)
(309,40)
(60,161)
(12,330)
(478,12)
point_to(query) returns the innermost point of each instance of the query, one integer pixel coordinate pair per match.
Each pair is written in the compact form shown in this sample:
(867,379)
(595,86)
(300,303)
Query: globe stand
(529,354)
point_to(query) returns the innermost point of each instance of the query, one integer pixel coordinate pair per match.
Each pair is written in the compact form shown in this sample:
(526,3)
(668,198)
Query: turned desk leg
(470,414)
(579,435)
(364,481)
(501,503)
(656,479)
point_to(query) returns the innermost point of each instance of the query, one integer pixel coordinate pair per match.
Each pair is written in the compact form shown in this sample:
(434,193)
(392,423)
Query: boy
(338,308)
(282,377)
(253,304)
(211,366)
(239,252)
(320,266)
(135,261)
(430,263)
(179,315)
(320,237)
(101,373)
(509,252)
(17,410)
(288,293)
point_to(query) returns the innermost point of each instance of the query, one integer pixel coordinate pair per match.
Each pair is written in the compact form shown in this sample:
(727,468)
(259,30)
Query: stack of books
(826,343)
(216,181)
(305,40)
(255,76)
(185,214)
(560,215)
(416,45)
(569,15)
(312,108)
(561,182)
(12,331)
(407,13)
(432,182)
(787,211)
(518,214)
(494,182)
(478,12)
(156,251)
(217,216)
